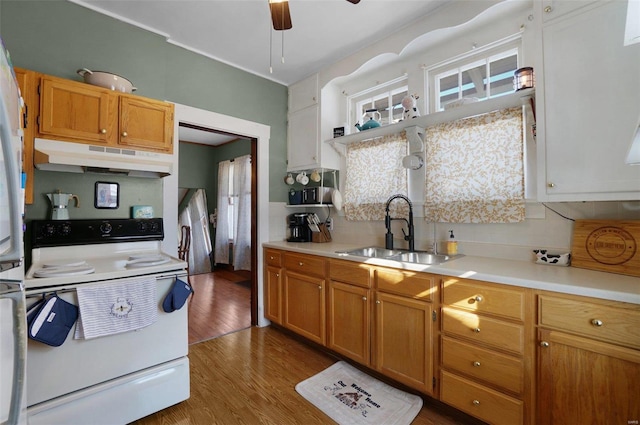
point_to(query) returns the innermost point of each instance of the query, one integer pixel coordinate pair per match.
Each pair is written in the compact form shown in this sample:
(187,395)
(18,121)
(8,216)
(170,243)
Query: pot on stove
(59,202)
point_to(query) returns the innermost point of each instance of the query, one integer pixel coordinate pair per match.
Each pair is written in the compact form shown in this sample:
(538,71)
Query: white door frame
(215,121)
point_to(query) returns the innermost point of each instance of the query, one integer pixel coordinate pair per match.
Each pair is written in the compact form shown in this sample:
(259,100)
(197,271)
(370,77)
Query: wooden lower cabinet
(583,377)
(273,286)
(404,340)
(304,306)
(582,381)
(349,321)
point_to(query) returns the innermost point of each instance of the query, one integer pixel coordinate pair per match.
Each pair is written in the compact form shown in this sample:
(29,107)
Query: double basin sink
(415,257)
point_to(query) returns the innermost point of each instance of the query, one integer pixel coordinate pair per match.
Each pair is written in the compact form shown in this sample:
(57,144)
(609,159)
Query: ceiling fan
(280,15)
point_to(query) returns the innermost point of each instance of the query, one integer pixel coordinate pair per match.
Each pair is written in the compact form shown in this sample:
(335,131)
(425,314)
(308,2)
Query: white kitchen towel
(116,306)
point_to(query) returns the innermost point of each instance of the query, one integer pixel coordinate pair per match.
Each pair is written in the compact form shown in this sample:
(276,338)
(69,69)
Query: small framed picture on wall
(107,195)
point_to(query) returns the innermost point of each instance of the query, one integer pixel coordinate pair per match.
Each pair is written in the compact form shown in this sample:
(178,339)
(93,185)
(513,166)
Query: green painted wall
(57,37)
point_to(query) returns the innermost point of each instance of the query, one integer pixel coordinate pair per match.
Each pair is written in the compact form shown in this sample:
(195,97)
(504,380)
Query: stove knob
(65,229)
(155,226)
(105,227)
(48,230)
(142,226)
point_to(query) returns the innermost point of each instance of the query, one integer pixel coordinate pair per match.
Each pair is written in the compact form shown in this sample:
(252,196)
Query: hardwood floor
(221,304)
(248,377)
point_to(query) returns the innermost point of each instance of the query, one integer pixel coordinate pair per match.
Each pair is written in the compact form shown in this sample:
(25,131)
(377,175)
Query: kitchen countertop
(568,280)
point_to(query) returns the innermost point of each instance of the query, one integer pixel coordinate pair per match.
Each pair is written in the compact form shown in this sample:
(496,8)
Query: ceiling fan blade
(354,1)
(280,16)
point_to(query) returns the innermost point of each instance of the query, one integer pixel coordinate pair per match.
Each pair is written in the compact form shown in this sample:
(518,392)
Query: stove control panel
(47,233)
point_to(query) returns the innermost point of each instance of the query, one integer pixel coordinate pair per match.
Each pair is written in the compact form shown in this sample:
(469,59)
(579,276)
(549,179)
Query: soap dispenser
(452,244)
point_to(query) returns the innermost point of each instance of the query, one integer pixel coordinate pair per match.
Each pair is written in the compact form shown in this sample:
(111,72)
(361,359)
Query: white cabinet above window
(304,148)
(589,109)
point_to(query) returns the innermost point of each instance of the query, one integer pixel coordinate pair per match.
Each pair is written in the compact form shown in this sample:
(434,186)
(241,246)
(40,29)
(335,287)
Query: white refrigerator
(13,335)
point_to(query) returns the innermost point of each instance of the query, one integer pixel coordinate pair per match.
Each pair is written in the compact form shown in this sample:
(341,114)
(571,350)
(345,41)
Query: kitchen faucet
(388,237)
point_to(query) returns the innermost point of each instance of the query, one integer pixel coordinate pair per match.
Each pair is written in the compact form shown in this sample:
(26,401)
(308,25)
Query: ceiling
(239,32)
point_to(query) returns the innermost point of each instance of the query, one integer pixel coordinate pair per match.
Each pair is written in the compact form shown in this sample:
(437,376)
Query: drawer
(484,403)
(350,272)
(480,297)
(305,264)
(484,330)
(504,371)
(273,257)
(619,325)
(410,284)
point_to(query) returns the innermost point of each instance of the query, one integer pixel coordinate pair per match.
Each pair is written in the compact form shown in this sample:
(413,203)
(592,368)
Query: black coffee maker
(299,230)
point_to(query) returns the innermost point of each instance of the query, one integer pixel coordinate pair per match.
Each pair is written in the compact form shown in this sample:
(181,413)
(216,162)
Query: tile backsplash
(548,230)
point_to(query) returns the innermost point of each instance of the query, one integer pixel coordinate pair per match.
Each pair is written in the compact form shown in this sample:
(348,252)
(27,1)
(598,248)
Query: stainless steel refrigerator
(13,335)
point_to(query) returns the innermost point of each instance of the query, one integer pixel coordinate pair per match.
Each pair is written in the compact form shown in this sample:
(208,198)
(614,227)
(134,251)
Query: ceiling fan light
(280,16)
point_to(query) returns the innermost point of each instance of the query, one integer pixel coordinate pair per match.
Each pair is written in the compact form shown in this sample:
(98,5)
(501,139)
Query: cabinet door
(303,141)
(349,315)
(304,302)
(591,108)
(404,340)
(76,111)
(146,124)
(303,93)
(27,82)
(586,382)
(273,294)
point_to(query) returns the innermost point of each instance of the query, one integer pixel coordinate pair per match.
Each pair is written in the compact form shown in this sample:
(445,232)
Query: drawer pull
(476,402)
(596,322)
(478,298)
(548,9)
(271,257)
(300,263)
(544,344)
(476,364)
(476,330)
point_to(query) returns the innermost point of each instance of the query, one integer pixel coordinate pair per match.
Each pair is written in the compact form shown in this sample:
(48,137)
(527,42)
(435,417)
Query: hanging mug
(289,179)
(302,178)
(315,176)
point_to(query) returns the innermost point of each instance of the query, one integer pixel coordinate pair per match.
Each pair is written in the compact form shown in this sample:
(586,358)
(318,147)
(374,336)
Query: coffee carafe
(299,230)
(59,203)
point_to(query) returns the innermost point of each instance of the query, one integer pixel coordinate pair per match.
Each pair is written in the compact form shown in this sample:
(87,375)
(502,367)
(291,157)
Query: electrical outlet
(329,224)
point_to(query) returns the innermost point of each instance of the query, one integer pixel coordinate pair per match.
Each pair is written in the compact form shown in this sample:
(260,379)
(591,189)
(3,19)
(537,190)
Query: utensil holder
(322,236)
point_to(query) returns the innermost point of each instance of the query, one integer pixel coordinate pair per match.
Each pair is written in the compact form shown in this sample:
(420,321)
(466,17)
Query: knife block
(322,236)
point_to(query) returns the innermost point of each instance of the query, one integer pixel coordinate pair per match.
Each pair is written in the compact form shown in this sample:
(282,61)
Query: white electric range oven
(106,375)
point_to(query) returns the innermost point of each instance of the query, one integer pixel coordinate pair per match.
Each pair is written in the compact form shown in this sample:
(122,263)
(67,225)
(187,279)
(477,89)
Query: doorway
(221,302)
(259,134)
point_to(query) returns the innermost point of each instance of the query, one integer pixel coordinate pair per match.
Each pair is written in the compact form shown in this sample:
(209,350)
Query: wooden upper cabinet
(146,123)
(78,112)
(27,83)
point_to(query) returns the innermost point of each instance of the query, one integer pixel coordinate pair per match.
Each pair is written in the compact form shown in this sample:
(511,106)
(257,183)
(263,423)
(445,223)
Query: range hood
(54,155)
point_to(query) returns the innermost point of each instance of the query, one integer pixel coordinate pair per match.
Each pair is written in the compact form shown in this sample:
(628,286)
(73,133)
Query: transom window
(480,76)
(386,98)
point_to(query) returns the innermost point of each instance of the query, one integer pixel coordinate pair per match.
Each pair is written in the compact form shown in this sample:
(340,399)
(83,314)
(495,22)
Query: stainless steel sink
(374,252)
(415,257)
(420,258)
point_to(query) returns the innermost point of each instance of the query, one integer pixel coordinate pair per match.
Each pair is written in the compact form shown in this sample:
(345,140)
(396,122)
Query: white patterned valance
(374,173)
(475,169)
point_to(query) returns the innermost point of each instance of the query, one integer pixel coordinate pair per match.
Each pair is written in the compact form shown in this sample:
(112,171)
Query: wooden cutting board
(607,245)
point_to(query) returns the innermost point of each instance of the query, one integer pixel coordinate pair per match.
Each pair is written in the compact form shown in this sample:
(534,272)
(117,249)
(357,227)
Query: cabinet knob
(271,257)
(364,298)
(378,302)
(320,287)
(476,402)
(548,9)
(277,274)
(544,344)
(103,131)
(596,322)
(124,134)
(476,364)
(477,330)
(301,264)
(551,185)
(478,298)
